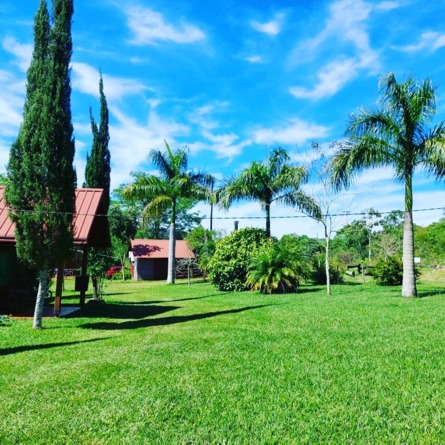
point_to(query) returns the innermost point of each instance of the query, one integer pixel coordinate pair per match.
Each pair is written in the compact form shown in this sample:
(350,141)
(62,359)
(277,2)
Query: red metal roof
(6,225)
(158,248)
(90,222)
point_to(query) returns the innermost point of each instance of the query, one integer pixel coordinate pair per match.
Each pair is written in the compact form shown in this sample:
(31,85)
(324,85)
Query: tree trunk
(171,274)
(172,255)
(409,278)
(95,284)
(40,301)
(123,268)
(409,288)
(267,220)
(327,268)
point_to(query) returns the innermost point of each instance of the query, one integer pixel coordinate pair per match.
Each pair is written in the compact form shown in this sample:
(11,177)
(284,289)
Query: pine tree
(97,171)
(41,188)
(97,175)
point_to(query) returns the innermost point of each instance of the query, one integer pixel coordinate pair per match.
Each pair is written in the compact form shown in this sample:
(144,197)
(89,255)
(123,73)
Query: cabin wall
(150,269)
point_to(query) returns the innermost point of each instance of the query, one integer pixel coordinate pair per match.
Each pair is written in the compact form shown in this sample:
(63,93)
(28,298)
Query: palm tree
(273,180)
(163,192)
(396,135)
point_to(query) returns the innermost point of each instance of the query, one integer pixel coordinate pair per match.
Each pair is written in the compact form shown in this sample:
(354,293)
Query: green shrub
(203,243)
(229,265)
(388,272)
(318,275)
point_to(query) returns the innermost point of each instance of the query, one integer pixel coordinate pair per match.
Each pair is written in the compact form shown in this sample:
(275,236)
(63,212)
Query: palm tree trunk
(409,278)
(409,288)
(267,220)
(172,248)
(171,255)
(40,301)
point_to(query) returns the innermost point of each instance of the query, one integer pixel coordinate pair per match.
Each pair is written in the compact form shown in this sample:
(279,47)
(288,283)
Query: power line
(326,215)
(231,217)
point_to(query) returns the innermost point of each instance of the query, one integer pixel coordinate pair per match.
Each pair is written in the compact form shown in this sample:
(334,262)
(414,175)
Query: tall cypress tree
(42,180)
(97,175)
(97,171)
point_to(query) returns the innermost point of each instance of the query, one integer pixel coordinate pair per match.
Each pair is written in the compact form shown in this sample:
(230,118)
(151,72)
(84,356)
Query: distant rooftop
(158,248)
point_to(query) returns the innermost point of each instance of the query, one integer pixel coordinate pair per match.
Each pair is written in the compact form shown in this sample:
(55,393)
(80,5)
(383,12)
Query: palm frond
(156,207)
(432,151)
(247,185)
(356,155)
(303,202)
(145,187)
(169,163)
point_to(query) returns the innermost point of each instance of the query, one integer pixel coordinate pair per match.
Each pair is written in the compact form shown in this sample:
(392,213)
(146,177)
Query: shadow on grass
(120,311)
(308,288)
(17,349)
(351,283)
(146,323)
(130,303)
(439,292)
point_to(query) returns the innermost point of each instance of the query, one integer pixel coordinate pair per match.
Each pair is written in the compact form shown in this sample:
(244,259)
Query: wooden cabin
(17,282)
(149,257)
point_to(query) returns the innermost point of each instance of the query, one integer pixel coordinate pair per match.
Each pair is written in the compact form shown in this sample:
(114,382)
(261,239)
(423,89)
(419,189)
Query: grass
(161,364)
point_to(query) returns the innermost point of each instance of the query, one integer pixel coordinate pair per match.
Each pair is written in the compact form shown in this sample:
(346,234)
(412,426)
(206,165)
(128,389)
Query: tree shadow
(113,293)
(17,349)
(120,311)
(145,323)
(307,290)
(350,283)
(168,301)
(439,292)
(145,250)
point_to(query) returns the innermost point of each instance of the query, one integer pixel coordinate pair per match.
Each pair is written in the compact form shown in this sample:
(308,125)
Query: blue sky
(233,79)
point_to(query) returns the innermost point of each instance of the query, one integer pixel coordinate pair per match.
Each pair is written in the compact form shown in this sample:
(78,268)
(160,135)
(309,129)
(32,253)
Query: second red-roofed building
(149,257)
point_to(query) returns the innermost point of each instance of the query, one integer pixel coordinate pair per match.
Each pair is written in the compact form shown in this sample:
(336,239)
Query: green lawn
(161,364)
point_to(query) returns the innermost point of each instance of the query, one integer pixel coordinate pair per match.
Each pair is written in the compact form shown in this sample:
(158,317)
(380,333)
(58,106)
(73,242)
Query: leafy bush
(229,265)
(203,243)
(318,275)
(274,270)
(388,272)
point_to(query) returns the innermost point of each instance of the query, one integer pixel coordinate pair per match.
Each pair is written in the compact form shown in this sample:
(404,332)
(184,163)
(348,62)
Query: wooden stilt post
(59,290)
(84,273)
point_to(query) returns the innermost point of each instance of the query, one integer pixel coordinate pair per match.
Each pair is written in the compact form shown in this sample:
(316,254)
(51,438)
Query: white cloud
(131,141)
(375,175)
(272,28)
(347,23)
(295,131)
(254,59)
(5,147)
(387,6)
(23,52)
(86,80)
(225,145)
(430,41)
(11,105)
(331,79)
(149,26)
